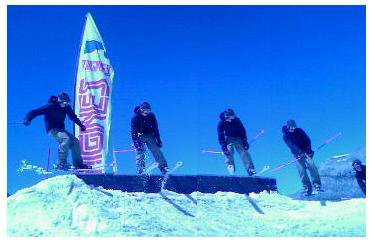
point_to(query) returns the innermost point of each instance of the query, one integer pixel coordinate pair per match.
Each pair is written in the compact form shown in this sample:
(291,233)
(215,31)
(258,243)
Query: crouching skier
(360,174)
(232,135)
(300,145)
(145,131)
(54,116)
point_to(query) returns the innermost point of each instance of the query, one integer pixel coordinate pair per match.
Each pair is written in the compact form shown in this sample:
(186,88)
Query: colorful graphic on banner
(93,95)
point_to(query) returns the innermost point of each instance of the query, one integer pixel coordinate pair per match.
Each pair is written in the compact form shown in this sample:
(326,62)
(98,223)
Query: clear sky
(268,63)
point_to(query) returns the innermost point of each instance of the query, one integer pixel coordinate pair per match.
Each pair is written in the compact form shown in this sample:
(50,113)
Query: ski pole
(48,160)
(212,152)
(317,149)
(328,141)
(265,168)
(257,136)
(251,142)
(285,164)
(128,150)
(114,163)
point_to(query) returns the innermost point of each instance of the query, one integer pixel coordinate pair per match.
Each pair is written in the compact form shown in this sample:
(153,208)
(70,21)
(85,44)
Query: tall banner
(93,90)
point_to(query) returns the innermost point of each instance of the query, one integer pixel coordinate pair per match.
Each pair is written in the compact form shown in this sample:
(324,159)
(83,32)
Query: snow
(338,176)
(66,206)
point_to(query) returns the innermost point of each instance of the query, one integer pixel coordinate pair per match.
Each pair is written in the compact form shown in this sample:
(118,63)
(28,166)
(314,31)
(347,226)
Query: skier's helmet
(64,97)
(145,107)
(229,113)
(291,124)
(356,162)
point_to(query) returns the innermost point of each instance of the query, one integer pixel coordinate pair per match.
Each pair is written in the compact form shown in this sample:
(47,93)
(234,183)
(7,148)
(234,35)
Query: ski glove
(26,122)
(225,149)
(246,145)
(83,128)
(310,153)
(226,152)
(159,143)
(137,144)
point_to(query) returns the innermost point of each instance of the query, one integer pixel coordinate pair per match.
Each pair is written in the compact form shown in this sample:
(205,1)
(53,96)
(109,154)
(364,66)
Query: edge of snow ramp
(183,184)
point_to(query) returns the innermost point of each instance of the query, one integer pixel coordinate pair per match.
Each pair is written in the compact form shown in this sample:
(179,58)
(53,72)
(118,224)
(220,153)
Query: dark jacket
(144,125)
(298,141)
(361,178)
(54,115)
(227,129)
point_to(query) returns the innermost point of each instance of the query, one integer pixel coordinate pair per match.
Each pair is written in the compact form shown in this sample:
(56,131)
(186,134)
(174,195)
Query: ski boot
(144,181)
(83,167)
(230,168)
(251,172)
(164,170)
(307,191)
(149,169)
(318,188)
(62,166)
(141,169)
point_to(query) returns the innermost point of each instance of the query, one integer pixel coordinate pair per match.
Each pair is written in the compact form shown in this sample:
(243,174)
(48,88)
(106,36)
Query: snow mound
(66,206)
(338,176)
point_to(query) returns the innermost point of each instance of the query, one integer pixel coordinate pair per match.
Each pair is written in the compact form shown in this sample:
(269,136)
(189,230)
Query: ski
(77,171)
(87,171)
(150,168)
(26,166)
(166,176)
(265,169)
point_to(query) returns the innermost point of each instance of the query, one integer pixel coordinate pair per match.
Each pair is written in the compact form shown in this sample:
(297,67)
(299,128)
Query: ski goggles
(64,102)
(292,128)
(146,111)
(229,117)
(356,164)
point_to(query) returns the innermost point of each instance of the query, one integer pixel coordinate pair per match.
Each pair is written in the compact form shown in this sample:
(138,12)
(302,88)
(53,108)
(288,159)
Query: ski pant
(150,142)
(361,183)
(303,165)
(67,141)
(237,143)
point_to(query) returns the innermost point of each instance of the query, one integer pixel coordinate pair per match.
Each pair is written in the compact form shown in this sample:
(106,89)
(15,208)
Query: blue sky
(268,63)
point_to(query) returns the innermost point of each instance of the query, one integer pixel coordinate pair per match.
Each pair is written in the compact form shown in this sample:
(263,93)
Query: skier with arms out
(54,116)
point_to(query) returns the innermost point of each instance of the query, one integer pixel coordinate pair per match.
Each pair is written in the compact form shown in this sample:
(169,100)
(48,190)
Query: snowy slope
(338,176)
(66,206)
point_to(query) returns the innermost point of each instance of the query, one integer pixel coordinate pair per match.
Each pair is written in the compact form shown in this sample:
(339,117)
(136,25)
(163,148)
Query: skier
(360,174)
(300,145)
(145,131)
(232,135)
(54,116)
